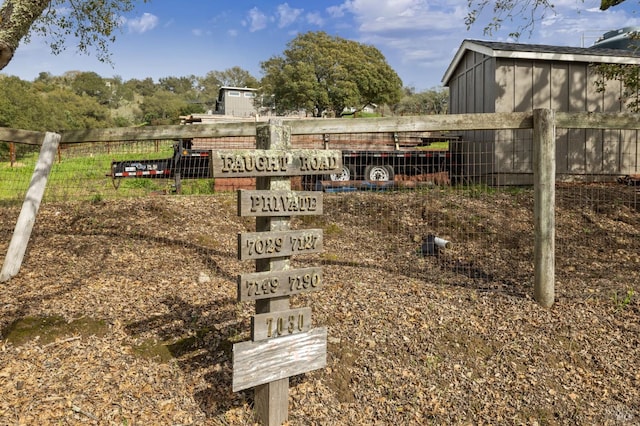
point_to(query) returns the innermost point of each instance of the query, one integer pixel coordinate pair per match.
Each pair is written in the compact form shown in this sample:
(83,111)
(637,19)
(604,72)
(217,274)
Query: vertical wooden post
(272,399)
(544,169)
(30,206)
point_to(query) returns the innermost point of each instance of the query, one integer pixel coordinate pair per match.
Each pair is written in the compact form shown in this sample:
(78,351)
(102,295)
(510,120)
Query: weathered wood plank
(159,132)
(268,284)
(279,324)
(27,217)
(271,399)
(28,137)
(423,123)
(256,363)
(597,120)
(279,203)
(265,245)
(449,122)
(268,162)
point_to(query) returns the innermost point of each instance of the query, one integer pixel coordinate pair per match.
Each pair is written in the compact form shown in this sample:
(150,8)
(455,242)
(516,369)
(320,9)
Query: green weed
(621,302)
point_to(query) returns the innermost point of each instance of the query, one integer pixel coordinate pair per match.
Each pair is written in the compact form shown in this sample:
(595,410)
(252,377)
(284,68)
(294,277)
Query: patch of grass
(330,256)
(153,349)
(436,146)
(333,229)
(622,301)
(164,351)
(198,187)
(48,329)
(479,190)
(79,174)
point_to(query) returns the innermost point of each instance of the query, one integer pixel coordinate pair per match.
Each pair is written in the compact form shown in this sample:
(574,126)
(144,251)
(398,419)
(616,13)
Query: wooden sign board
(265,285)
(266,162)
(279,203)
(264,245)
(280,323)
(257,363)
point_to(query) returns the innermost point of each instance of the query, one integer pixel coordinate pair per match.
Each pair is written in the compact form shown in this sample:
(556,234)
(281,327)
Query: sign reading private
(263,245)
(261,162)
(279,203)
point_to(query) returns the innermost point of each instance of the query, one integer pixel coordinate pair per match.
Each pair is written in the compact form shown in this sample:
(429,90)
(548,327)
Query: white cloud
(198,32)
(338,11)
(145,23)
(256,20)
(314,18)
(287,15)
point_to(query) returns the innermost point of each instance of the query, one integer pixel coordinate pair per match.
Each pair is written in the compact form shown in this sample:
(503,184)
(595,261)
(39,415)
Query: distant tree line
(82,100)
(317,74)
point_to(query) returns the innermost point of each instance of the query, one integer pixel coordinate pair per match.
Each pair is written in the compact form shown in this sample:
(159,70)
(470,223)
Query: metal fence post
(544,170)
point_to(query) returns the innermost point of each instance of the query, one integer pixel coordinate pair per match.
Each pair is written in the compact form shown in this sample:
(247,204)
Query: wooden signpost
(282,344)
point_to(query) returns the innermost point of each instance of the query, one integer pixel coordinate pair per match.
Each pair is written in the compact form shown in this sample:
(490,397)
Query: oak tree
(320,73)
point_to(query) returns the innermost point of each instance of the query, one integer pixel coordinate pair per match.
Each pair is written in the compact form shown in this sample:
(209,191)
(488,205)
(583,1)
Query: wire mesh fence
(401,191)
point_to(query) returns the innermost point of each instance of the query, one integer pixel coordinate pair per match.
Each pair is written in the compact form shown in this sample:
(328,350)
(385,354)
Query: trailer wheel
(379,173)
(347,173)
(391,172)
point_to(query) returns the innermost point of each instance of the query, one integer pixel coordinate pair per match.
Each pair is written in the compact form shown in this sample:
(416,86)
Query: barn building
(488,77)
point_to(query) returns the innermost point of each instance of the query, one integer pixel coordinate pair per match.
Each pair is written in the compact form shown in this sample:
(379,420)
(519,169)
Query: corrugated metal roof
(541,52)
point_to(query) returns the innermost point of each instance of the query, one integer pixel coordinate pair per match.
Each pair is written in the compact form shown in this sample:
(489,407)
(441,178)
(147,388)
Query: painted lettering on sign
(279,203)
(264,285)
(262,245)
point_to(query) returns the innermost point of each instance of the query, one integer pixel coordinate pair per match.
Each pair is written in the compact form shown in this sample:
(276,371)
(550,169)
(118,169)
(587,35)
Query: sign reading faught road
(261,162)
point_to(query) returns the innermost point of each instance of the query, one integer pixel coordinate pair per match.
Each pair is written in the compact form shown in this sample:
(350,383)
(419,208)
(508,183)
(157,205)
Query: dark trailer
(186,163)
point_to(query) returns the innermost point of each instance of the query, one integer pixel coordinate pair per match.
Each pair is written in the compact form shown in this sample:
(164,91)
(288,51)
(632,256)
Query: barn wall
(523,85)
(472,90)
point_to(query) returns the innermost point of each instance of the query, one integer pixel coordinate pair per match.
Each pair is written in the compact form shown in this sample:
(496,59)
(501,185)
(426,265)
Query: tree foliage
(431,101)
(235,77)
(165,107)
(319,73)
(92,23)
(529,12)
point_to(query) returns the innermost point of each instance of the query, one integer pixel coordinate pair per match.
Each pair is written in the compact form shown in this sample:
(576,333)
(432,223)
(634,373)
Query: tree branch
(16,18)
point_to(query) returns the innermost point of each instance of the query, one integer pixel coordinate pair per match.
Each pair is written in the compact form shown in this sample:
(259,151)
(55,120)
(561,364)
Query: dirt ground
(125,312)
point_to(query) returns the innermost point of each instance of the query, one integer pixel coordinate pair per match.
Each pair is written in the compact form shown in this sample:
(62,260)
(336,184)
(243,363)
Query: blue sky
(165,38)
